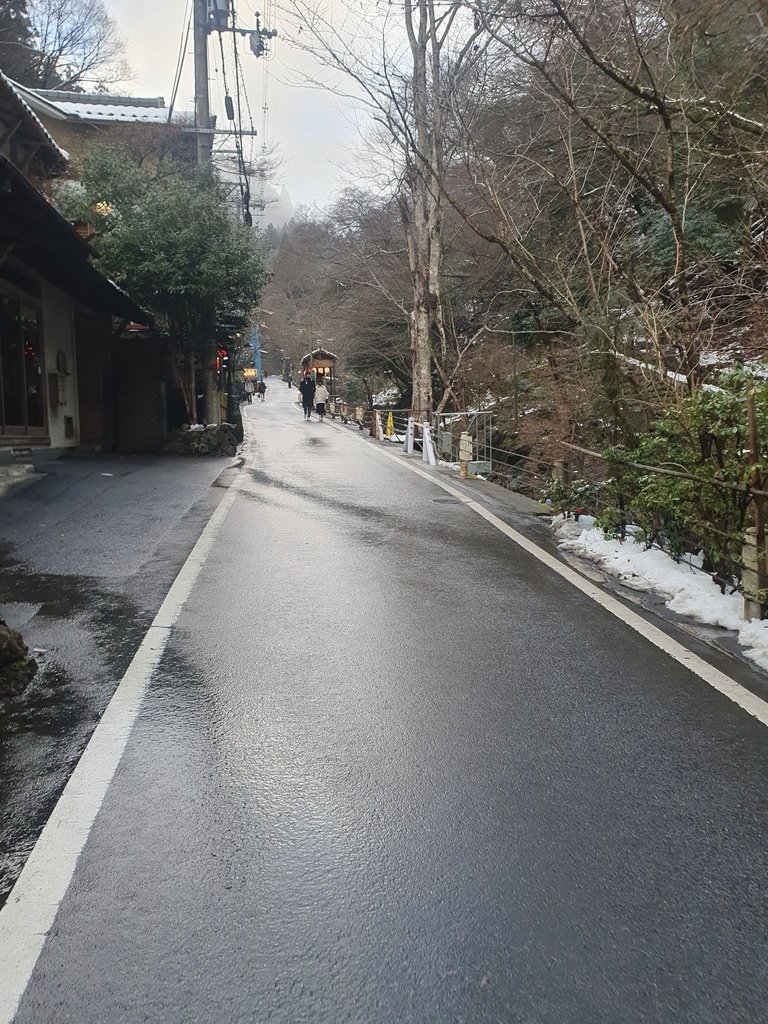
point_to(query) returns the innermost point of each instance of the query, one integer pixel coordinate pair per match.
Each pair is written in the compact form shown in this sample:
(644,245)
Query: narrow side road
(391,768)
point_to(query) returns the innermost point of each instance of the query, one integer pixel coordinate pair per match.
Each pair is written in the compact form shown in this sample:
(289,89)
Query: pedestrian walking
(307,389)
(249,391)
(290,381)
(261,387)
(321,397)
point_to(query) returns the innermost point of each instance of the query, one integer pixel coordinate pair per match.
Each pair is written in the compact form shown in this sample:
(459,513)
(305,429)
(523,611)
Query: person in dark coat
(307,389)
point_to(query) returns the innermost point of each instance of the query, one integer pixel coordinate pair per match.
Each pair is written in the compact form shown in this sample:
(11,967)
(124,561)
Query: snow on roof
(116,111)
(16,91)
(103,107)
(319,353)
(38,103)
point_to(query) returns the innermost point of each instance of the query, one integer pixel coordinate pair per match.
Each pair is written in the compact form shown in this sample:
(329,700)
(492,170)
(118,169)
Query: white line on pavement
(29,913)
(714,677)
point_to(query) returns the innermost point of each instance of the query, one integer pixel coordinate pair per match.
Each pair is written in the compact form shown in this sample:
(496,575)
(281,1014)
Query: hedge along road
(382,764)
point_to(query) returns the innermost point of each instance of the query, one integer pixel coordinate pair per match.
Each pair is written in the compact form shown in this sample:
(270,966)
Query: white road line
(29,913)
(714,677)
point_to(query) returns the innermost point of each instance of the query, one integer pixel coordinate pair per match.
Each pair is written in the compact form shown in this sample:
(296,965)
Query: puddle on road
(89,635)
(18,613)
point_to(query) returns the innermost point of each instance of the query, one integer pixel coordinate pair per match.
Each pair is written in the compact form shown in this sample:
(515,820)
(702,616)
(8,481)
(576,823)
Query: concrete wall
(58,336)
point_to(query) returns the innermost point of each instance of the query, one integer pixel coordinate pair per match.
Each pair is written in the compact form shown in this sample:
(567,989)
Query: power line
(238,106)
(267,58)
(237,129)
(182,54)
(235,114)
(241,79)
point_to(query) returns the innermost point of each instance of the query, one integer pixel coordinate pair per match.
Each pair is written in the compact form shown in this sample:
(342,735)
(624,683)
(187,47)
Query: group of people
(313,395)
(259,388)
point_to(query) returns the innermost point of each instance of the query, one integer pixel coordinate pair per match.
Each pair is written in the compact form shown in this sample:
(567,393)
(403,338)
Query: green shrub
(706,436)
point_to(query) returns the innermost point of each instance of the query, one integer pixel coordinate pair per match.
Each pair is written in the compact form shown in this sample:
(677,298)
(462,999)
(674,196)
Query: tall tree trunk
(421,211)
(421,357)
(210,374)
(184,370)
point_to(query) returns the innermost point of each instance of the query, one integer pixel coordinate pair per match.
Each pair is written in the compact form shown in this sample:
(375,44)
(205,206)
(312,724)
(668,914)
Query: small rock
(15,678)
(12,646)
(16,666)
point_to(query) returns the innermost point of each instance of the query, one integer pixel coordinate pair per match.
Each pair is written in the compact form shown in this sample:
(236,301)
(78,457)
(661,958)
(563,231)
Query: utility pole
(212,404)
(215,16)
(202,106)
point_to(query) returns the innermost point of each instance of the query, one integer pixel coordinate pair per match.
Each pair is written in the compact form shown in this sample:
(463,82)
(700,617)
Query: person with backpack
(261,387)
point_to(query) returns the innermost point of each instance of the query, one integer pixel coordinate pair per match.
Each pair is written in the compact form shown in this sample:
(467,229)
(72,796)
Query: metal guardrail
(511,469)
(517,471)
(458,434)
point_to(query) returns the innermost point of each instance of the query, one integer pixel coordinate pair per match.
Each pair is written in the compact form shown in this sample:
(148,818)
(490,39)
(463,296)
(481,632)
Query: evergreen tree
(17,50)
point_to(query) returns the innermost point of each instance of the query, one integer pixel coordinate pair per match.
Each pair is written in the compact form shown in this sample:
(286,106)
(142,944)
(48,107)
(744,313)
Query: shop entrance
(22,397)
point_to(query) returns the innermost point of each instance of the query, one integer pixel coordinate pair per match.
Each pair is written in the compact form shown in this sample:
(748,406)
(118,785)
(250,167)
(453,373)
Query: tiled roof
(103,107)
(115,112)
(15,94)
(319,353)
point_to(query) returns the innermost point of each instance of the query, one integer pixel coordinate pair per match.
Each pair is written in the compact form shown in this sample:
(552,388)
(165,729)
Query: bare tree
(77,44)
(399,62)
(635,113)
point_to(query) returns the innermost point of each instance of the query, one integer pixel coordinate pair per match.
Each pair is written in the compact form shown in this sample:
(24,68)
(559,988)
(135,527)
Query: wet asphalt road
(393,770)
(87,553)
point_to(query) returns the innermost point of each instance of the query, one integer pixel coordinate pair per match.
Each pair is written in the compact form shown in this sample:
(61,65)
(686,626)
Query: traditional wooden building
(144,125)
(322,364)
(60,319)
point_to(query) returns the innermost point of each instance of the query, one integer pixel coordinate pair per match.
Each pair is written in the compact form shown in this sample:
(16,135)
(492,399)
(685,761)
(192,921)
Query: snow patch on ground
(687,590)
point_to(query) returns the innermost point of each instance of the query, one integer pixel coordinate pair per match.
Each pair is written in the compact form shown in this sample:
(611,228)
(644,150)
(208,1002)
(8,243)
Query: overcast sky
(315,133)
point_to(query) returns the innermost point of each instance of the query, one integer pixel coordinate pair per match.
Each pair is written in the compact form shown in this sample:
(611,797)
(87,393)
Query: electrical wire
(241,80)
(267,59)
(242,95)
(242,185)
(240,105)
(182,54)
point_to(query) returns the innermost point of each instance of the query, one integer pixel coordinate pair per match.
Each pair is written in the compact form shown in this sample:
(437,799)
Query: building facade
(59,317)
